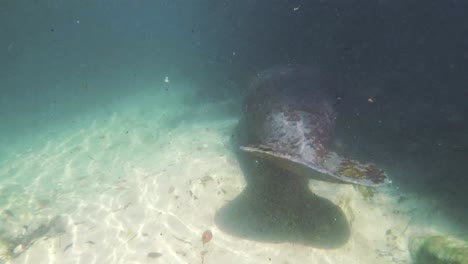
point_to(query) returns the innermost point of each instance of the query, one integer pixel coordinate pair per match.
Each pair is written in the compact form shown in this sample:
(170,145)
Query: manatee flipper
(333,168)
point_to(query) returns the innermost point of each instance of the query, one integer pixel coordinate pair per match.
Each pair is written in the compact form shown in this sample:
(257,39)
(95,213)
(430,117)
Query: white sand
(122,195)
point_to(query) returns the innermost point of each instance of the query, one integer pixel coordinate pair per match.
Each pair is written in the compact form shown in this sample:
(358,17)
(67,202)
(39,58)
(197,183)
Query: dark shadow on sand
(277,206)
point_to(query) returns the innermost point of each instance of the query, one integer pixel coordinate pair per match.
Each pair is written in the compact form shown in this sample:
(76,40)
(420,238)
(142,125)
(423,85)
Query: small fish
(8,213)
(154,255)
(10,46)
(67,247)
(207,236)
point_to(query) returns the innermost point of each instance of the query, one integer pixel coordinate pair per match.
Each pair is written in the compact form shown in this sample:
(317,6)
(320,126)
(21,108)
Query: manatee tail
(332,168)
(354,171)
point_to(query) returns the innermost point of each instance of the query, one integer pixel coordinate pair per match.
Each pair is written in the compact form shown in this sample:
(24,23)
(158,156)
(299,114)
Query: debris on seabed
(207,236)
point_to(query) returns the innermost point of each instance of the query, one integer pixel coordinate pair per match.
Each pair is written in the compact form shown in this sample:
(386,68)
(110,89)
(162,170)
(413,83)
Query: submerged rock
(438,249)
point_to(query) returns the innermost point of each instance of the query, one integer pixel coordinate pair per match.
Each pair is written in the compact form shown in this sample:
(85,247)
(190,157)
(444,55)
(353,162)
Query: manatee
(289,119)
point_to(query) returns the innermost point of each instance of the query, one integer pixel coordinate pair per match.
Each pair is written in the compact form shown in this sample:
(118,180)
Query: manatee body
(290,119)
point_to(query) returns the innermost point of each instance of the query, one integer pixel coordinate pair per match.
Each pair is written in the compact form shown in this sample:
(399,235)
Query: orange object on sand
(207,236)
